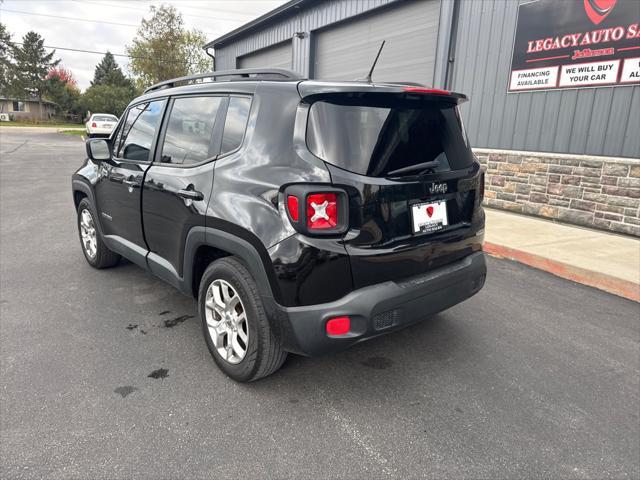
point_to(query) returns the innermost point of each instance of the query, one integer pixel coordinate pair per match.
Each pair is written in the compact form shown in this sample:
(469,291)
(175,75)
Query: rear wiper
(424,167)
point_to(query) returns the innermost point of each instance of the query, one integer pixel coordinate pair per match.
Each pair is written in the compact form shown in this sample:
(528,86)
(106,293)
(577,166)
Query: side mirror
(98,149)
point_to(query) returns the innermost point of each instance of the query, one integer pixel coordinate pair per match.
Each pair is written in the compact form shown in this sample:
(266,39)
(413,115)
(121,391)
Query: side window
(235,124)
(189,131)
(139,130)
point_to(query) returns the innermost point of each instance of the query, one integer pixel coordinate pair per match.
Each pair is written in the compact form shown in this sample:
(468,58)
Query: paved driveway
(534,377)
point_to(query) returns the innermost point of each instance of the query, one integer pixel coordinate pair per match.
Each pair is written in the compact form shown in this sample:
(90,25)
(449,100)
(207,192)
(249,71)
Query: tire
(102,257)
(263,353)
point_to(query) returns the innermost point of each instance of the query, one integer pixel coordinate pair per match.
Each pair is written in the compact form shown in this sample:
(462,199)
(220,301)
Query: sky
(114,23)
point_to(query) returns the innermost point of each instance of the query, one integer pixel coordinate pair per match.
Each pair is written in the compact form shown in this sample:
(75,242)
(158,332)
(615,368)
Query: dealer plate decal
(429,217)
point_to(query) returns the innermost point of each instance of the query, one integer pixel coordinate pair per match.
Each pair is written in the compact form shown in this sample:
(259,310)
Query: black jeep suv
(305,216)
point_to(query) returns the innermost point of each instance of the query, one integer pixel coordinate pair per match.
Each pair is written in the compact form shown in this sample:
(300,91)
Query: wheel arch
(81,190)
(227,239)
(78,195)
(207,244)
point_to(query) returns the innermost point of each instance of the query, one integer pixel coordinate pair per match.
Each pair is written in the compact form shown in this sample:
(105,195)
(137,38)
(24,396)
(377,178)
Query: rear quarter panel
(247,192)
(248,182)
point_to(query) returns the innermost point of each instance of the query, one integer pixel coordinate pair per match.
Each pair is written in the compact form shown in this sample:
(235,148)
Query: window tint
(139,130)
(188,137)
(236,123)
(379,136)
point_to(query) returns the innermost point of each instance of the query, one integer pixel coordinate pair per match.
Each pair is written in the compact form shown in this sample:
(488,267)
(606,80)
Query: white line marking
(352,431)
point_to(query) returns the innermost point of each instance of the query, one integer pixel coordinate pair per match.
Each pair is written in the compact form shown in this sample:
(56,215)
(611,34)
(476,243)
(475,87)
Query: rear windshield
(379,135)
(104,118)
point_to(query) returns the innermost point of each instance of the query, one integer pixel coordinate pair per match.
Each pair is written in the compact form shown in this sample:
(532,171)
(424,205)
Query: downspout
(213,58)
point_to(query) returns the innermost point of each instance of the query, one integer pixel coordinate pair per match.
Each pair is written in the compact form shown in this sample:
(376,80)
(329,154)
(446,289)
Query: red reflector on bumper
(338,326)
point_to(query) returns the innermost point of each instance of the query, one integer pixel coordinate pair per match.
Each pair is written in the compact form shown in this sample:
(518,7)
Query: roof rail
(241,74)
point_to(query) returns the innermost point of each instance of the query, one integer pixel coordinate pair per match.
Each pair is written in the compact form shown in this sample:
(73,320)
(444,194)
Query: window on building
(18,106)
(190,128)
(236,123)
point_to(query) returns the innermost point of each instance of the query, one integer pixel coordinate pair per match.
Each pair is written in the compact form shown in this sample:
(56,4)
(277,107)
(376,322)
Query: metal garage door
(346,51)
(277,56)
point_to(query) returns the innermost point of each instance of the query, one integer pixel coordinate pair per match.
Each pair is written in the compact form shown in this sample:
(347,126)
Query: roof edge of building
(35,100)
(282,10)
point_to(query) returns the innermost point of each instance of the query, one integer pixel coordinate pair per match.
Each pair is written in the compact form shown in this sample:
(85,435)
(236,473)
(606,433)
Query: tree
(32,63)
(106,99)
(6,62)
(164,49)
(62,89)
(196,57)
(64,94)
(64,75)
(108,72)
(110,90)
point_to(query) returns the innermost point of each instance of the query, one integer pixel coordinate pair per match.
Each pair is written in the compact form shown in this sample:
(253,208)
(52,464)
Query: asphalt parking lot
(104,374)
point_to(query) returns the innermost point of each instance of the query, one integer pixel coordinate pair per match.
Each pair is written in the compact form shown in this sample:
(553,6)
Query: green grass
(31,124)
(78,133)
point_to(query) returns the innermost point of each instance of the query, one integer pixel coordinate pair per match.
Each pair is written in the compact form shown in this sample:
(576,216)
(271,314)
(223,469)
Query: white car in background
(101,124)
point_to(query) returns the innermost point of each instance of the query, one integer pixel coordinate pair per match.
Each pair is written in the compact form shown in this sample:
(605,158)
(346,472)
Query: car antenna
(368,77)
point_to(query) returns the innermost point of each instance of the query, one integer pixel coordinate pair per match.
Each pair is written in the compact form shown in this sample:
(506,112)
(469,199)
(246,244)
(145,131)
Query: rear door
(120,180)
(178,184)
(412,180)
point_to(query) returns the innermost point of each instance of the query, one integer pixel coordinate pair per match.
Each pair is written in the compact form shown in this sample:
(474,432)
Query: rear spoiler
(311,90)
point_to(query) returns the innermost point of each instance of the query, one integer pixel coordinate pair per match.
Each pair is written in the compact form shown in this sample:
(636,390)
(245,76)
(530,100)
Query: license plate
(429,217)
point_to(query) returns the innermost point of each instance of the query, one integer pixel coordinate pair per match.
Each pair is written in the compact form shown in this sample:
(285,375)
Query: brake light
(432,91)
(94,125)
(338,326)
(322,211)
(316,210)
(292,206)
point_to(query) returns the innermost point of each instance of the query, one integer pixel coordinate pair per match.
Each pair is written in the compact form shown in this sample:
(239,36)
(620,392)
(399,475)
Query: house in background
(27,109)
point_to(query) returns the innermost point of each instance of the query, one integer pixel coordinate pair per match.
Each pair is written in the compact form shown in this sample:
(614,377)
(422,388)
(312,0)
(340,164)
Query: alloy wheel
(88,234)
(226,321)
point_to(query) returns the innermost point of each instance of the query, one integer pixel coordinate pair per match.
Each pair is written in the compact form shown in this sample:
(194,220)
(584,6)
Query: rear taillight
(322,211)
(317,209)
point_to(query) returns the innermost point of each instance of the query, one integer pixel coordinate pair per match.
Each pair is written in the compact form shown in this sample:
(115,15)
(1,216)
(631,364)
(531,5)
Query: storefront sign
(576,44)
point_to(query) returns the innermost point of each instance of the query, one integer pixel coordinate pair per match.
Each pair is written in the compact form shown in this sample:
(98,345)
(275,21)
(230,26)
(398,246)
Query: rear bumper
(384,307)
(100,131)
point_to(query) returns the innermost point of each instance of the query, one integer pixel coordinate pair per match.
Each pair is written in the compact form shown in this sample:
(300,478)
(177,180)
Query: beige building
(27,109)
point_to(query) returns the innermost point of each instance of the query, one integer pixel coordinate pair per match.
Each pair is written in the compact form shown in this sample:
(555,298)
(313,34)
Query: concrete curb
(601,281)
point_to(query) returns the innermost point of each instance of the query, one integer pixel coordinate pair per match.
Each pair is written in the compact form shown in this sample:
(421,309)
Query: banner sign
(576,44)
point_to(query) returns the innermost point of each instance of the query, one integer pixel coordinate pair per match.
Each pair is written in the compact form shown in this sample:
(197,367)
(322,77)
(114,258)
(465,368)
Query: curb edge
(601,281)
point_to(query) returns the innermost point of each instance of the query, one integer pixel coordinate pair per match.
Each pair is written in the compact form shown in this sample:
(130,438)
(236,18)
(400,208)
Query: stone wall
(596,192)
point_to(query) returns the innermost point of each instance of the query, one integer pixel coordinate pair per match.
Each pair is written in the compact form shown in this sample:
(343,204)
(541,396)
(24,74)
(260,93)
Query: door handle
(131,183)
(190,194)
